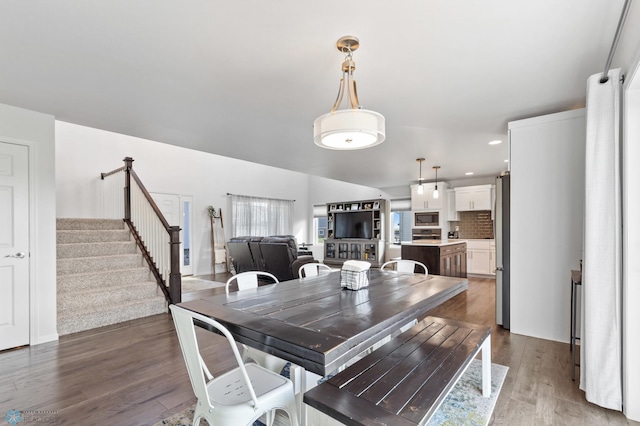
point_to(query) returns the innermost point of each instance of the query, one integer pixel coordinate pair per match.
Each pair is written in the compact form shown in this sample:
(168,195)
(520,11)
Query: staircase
(102,278)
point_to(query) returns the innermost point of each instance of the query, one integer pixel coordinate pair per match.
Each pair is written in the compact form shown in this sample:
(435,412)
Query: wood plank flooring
(133,373)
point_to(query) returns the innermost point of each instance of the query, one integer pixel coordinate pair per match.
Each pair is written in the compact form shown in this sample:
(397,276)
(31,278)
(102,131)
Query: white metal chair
(237,397)
(278,365)
(313,269)
(248,280)
(405,266)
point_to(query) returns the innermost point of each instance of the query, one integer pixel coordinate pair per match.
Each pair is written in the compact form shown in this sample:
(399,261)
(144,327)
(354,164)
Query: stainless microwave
(426,219)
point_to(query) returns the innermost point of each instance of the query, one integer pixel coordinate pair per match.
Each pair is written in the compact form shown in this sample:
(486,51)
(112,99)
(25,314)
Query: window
(401,226)
(401,221)
(261,217)
(319,224)
(320,229)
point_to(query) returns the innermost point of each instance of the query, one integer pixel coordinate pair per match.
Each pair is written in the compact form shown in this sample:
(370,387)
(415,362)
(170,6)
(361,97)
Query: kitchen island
(442,257)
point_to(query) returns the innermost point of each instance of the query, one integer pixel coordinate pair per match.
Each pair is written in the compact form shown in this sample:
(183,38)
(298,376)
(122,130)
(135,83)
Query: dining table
(317,324)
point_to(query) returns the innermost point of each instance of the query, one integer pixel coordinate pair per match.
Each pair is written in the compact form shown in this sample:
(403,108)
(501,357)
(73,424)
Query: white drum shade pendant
(351,128)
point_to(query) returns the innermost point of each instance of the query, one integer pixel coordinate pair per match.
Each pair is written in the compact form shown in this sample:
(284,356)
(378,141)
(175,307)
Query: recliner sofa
(277,254)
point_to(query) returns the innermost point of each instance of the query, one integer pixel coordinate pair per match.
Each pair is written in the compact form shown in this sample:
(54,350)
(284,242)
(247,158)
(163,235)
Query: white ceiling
(246,78)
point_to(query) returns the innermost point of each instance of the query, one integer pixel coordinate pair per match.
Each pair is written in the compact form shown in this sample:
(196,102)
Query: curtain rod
(265,198)
(614,45)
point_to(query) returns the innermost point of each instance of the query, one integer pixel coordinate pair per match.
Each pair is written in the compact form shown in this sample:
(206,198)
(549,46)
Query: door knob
(18,255)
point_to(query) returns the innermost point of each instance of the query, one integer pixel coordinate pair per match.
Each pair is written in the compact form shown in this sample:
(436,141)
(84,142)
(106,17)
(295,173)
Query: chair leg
(270,416)
(292,411)
(200,414)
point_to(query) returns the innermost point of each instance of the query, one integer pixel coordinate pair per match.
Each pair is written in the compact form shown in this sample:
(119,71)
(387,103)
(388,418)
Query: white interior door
(177,210)
(14,245)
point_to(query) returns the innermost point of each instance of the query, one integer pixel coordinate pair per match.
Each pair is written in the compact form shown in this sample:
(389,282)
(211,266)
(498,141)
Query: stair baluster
(158,241)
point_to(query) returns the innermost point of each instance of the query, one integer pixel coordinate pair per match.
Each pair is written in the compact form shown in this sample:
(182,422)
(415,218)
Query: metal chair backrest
(183,320)
(248,280)
(313,269)
(405,266)
(240,395)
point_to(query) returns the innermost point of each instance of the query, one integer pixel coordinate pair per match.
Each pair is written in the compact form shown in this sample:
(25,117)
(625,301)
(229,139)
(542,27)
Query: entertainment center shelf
(355,231)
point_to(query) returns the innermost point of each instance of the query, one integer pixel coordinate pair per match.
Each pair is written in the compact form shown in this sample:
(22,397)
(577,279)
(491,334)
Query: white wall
(480,180)
(82,153)
(323,191)
(547,198)
(405,190)
(36,131)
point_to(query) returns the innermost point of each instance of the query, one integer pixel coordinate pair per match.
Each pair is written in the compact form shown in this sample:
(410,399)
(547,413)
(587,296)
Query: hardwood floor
(133,373)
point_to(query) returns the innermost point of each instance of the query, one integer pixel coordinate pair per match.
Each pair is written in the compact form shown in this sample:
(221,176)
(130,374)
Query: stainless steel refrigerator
(502,236)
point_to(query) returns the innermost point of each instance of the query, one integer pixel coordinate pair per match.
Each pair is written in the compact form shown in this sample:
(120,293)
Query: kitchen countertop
(433,243)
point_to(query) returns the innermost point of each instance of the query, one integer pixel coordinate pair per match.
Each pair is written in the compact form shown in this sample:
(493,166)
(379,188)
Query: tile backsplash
(474,224)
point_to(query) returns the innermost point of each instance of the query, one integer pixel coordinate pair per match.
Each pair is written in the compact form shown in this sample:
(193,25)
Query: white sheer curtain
(261,217)
(601,341)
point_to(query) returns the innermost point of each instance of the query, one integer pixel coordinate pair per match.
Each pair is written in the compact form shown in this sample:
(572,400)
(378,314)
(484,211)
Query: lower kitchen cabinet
(449,260)
(454,264)
(481,257)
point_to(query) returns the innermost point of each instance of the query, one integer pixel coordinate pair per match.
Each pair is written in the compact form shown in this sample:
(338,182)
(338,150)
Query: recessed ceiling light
(496,142)
(506,161)
(469,173)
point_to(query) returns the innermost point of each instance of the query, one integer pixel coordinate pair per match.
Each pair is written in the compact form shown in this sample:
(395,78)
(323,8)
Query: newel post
(128,166)
(175,278)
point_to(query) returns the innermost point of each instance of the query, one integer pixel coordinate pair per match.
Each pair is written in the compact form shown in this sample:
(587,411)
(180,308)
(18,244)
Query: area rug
(190,284)
(464,406)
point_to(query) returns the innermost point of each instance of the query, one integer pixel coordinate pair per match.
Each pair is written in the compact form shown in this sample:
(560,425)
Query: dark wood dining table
(315,323)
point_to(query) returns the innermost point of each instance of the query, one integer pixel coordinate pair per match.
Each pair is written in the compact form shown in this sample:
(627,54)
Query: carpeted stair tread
(99,279)
(87,224)
(68,251)
(100,263)
(92,236)
(86,319)
(96,297)
(102,278)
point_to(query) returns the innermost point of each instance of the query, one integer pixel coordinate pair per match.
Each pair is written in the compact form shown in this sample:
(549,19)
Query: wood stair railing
(158,241)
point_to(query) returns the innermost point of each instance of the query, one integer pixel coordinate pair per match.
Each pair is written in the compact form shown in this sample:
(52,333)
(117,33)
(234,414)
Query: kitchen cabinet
(453,261)
(471,198)
(481,255)
(452,213)
(426,201)
(449,259)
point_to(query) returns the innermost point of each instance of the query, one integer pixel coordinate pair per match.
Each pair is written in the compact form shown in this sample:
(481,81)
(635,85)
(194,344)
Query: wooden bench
(405,381)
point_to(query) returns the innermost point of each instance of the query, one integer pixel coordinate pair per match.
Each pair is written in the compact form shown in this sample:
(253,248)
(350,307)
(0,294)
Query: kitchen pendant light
(435,191)
(351,128)
(420,185)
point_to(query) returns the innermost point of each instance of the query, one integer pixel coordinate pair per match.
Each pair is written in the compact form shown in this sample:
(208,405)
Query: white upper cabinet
(426,201)
(479,197)
(451,201)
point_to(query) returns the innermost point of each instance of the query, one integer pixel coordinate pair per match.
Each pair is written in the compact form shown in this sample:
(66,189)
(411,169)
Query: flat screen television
(354,225)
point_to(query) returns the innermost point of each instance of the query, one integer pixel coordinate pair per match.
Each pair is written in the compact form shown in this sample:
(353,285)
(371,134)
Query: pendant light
(435,191)
(351,128)
(420,185)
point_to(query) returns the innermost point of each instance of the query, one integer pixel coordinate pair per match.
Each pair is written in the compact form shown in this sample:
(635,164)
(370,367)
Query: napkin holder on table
(354,274)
